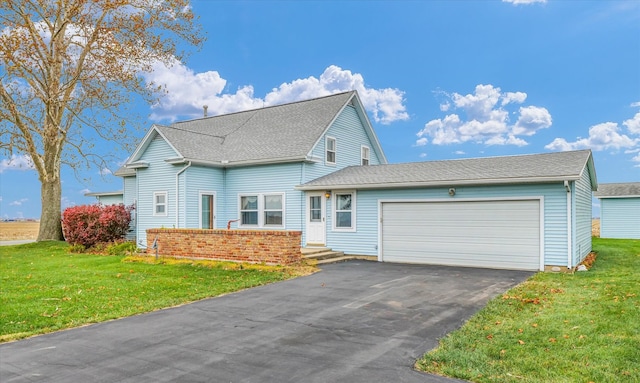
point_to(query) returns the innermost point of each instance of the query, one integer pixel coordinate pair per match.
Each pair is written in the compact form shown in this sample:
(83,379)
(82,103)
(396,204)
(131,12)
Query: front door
(315,219)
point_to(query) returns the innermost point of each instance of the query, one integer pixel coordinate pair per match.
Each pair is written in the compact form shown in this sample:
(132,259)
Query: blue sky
(440,79)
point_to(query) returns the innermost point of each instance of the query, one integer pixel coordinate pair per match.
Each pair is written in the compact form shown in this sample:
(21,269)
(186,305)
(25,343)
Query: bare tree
(69,73)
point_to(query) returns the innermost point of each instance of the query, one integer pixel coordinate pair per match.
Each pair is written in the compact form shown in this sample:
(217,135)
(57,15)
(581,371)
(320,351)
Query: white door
(315,219)
(494,234)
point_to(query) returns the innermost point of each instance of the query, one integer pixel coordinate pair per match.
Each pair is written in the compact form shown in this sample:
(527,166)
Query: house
(619,210)
(107,198)
(316,166)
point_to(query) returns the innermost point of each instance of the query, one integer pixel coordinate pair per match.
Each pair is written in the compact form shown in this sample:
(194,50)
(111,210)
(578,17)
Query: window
(160,203)
(249,210)
(364,153)
(207,207)
(331,150)
(262,210)
(315,208)
(273,210)
(344,211)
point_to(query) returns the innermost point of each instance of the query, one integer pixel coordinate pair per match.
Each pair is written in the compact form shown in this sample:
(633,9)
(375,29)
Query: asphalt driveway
(356,321)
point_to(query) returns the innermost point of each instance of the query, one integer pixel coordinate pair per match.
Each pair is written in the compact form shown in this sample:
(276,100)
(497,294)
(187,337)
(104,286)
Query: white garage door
(492,234)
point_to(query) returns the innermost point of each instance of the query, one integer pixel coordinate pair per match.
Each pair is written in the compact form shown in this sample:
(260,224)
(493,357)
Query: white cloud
(16,162)
(633,124)
(636,159)
(85,191)
(635,104)
(18,202)
(532,118)
(423,155)
(105,172)
(188,91)
(459,152)
(486,119)
(422,141)
(526,2)
(601,137)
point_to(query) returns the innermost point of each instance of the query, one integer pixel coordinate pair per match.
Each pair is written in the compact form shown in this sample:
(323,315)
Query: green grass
(582,327)
(45,288)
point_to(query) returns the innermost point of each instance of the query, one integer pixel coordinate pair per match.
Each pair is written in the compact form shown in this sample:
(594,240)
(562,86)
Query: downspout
(178,192)
(303,206)
(142,245)
(569,231)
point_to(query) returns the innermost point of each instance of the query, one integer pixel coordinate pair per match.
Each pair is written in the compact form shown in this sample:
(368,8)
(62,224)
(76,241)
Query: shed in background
(619,210)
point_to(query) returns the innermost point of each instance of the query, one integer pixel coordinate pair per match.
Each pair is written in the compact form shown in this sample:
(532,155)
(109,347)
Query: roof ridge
(263,108)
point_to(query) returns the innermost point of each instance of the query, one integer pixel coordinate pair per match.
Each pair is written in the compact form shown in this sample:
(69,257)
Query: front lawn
(582,327)
(45,288)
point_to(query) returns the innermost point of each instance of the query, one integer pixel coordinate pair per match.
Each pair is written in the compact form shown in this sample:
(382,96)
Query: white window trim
(334,211)
(166,204)
(326,150)
(200,194)
(362,157)
(257,195)
(261,211)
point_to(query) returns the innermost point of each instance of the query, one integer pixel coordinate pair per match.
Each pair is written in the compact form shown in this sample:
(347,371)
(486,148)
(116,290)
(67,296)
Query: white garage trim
(538,199)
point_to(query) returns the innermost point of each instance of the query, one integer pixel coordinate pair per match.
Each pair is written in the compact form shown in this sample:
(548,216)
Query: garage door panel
(498,234)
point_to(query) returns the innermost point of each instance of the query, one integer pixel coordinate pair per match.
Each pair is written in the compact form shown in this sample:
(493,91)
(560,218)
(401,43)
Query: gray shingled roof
(547,167)
(618,190)
(276,133)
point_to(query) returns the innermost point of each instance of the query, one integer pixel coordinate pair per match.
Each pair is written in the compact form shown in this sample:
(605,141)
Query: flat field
(595,227)
(19,230)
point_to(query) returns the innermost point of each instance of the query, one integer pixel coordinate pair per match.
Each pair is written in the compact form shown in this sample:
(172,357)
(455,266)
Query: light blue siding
(158,177)
(350,135)
(364,240)
(130,200)
(201,179)
(620,218)
(265,179)
(582,217)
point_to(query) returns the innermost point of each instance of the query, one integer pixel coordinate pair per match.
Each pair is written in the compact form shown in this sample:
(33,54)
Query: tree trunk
(50,217)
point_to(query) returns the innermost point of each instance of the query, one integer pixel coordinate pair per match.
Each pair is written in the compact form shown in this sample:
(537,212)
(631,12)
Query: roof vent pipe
(204,107)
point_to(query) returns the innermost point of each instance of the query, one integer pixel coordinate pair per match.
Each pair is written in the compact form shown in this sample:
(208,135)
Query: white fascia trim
(452,183)
(222,164)
(137,165)
(101,194)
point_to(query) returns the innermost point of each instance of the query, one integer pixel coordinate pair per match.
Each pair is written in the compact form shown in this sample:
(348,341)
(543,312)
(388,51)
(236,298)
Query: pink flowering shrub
(88,225)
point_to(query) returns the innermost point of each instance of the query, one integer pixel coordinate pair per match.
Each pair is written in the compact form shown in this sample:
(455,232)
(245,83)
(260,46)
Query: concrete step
(327,254)
(334,260)
(313,250)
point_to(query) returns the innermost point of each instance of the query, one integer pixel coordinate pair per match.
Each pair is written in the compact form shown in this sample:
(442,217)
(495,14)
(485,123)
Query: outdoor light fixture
(327,194)
(452,191)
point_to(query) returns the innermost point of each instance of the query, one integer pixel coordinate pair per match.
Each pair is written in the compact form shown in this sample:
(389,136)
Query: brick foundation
(253,246)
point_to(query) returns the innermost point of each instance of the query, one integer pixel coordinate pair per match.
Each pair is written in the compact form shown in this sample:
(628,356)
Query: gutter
(178,193)
(569,227)
(230,164)
(448,183)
